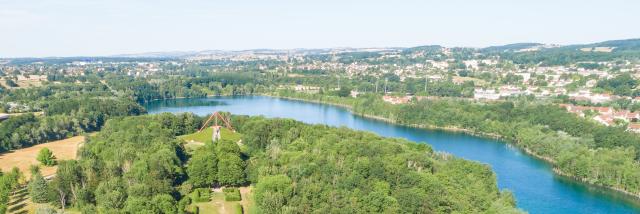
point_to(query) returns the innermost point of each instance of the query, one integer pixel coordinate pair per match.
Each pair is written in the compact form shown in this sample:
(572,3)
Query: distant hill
(521,53)
(511,47)
(613,45)
(562,55)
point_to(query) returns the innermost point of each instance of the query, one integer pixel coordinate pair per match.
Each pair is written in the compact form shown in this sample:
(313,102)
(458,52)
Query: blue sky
(37,28)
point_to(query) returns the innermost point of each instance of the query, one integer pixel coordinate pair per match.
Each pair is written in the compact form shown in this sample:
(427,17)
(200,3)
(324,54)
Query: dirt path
(245,192)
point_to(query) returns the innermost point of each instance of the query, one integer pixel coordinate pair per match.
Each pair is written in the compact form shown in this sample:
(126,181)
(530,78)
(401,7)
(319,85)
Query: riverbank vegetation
(578,148)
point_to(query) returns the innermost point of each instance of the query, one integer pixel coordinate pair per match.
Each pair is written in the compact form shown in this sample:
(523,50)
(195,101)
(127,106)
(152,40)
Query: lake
(536,188)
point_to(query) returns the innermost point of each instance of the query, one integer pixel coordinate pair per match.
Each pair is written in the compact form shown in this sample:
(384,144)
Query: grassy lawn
(217,204)
(205,135)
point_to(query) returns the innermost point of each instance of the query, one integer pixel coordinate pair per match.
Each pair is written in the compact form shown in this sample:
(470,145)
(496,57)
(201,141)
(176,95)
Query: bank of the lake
(528,151)
(533,182)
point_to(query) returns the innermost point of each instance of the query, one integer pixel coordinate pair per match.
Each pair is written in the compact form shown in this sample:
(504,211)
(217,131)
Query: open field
(23,158)
(598,49)
(26,82)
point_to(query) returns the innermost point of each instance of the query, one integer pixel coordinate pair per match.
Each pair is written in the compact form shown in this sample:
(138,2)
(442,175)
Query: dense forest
(300,168)
(136,164)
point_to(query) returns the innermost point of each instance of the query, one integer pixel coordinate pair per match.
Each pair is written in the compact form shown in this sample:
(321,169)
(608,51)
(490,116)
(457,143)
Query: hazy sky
(39,28)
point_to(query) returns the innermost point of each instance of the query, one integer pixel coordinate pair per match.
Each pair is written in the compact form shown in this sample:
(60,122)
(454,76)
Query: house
(396,100)
(585,95)
(355,93)
(606,120)
(485,94)
(634,127)
(627,116)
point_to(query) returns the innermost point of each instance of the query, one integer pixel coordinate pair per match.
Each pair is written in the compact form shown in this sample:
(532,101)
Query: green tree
(111,195)
(272,193)
(202,169)
(231,170)
(344,91)
(165,204)
(38,189)
(46,157)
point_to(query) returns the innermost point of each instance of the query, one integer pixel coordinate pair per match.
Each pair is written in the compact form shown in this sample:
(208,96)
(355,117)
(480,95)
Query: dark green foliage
(232,194)
(11,83)
(143,91)
(344,91)
(111,195)
(135,165)
(182,204)
(105,107)
(230,164)
(131,161)
(202,169)
(620,85)
(38,189)
(306,168)
(581,148)
(65,118)
(67,184)
(165,204)
(273,193)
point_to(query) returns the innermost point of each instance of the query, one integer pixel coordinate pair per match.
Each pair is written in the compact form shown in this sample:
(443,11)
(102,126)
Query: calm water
(534,185)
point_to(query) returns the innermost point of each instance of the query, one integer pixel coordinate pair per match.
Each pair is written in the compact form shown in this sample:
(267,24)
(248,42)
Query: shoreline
(548,160)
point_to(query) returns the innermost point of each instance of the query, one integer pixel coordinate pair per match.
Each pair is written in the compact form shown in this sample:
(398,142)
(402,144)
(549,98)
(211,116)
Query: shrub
(201,195)
(39,189)
(182,204)
(232,194)
(195,209)
(46,157)
(44,209)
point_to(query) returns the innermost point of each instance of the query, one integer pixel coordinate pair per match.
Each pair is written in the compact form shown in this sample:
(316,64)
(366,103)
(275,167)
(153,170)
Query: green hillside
(205,135)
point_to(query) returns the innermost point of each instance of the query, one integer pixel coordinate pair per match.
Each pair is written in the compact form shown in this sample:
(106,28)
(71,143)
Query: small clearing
(218,205)
(198,139)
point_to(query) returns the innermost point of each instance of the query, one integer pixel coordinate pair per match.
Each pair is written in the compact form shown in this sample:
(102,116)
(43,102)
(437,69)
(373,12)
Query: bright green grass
(205,135)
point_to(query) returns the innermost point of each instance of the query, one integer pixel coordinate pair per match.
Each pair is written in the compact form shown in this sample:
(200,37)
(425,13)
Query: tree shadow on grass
(17,208)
